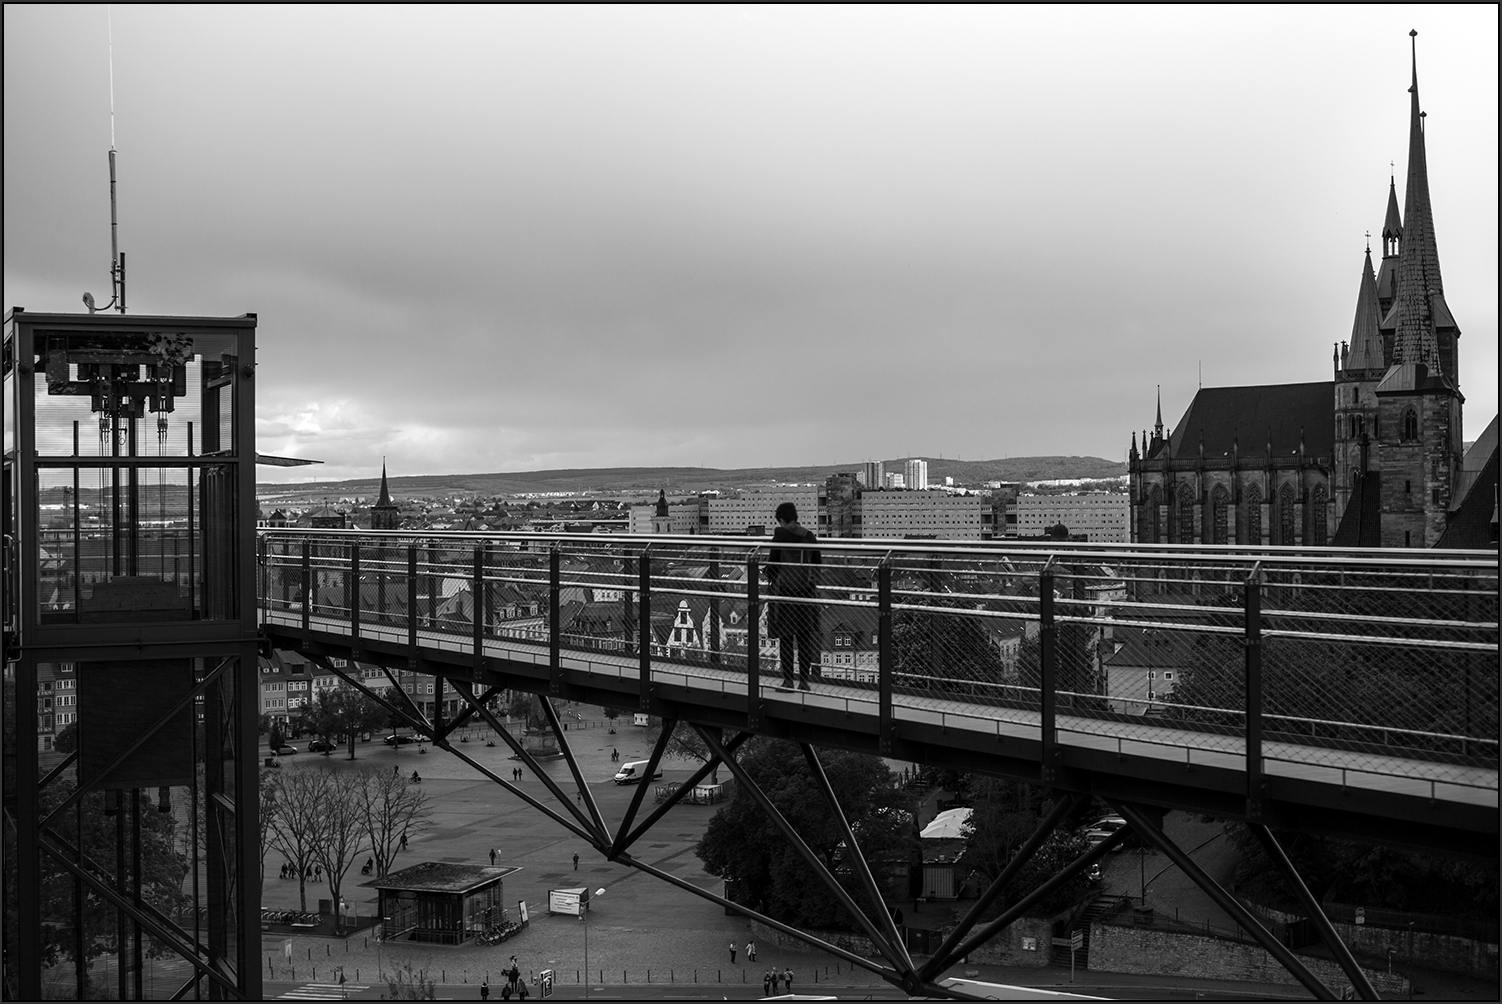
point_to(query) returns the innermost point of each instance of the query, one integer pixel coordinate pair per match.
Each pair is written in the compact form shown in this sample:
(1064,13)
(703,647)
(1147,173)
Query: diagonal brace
(573,767)
(1025,904)
(877,936)
(1316,913)
(683,790)
(177,708)
(1224,900)
(572,825)
(463,718)
(620,842)
(901,959)
(945,956)
(149,924)
(467,691)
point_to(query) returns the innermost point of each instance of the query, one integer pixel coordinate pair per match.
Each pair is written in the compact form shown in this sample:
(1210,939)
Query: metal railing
(1342,666)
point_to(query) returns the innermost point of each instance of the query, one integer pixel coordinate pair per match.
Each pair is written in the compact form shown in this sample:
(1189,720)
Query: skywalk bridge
(1353,694)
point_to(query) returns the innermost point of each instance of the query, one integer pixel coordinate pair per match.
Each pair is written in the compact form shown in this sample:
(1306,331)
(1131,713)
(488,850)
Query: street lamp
(584,919)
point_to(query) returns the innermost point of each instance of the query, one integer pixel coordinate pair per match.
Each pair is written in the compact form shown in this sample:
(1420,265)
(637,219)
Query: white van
(635,771)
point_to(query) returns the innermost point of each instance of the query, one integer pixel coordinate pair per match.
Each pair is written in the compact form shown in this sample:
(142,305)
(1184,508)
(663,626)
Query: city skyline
(526,239)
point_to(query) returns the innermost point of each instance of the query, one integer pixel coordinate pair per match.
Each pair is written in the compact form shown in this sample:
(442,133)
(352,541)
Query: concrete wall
(1154,951)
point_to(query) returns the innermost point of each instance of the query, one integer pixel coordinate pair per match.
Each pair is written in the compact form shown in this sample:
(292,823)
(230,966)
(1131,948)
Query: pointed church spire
(385,500)
(1421,291)
(1392,226)
(1158,425)
(1366,340)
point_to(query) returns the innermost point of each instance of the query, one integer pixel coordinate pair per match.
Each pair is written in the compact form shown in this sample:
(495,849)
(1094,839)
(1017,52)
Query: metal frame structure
(126,599)
(417,640)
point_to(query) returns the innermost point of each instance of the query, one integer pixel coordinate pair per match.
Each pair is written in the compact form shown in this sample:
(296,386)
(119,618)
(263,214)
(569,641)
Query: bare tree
(392,809)
(295,828)
(340,835)
(270,786)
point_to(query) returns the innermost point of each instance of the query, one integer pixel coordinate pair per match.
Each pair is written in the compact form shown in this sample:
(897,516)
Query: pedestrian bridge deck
(1353,776)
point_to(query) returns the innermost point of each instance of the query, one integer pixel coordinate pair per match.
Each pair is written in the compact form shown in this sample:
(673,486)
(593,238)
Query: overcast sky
(485,239)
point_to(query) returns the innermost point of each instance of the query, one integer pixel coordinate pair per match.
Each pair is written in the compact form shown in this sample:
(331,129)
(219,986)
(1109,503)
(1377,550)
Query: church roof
(1366,340)
(1476,459)
(1474,524)
(1250,416)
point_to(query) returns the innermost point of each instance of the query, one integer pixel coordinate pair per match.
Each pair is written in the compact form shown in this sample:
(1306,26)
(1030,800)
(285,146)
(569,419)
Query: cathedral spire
(385,500)
(1158,425)
(1421,291)
(1366,340)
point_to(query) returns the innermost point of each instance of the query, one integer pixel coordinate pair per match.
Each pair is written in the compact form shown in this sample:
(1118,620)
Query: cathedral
(1372,458)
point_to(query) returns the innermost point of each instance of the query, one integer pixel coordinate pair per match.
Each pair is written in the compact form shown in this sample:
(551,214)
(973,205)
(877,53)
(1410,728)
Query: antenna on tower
(117,260)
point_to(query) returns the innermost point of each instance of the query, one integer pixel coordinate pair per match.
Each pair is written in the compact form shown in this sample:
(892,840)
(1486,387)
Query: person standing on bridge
(790,571)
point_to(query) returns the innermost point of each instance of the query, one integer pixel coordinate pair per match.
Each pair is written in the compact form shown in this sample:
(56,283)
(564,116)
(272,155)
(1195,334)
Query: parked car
(401,739)
(321,746)
(285,750)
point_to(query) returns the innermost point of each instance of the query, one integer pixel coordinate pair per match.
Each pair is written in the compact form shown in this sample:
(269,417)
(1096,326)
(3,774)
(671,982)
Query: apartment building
(1100,516)
(933,513)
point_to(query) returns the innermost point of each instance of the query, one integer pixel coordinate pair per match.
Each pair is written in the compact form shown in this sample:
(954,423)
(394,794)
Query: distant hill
(686,480)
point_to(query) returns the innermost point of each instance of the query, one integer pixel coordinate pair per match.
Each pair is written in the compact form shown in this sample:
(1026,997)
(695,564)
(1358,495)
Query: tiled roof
(1250,415)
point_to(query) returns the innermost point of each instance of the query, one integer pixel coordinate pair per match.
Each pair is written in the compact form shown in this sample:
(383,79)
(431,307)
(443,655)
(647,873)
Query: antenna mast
(117,263)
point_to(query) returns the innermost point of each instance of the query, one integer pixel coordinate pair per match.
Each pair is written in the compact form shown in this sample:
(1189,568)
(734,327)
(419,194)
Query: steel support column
(1048,684)
(1255,784)
(886,662)
(753,643)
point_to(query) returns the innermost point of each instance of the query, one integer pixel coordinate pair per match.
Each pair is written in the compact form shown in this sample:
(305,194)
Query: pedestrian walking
(787,979)
(766,983)
(492,857)
(790,571)
(750,950)
(484,990)
(732,953)
(404,840)
(772,978)
(395,771)
(576,862)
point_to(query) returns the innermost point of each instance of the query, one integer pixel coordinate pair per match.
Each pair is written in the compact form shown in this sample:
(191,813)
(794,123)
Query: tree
(742,843)
(1004,814)
(407,984)
(342,713)
(270,785)
(67,739)
(950,652)
(685,744)
(295,828)
(340,834)
(391,808)
(611,713)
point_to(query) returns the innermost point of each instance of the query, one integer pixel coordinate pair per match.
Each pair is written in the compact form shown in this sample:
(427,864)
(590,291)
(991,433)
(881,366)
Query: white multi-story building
(934,513)
(752,510)
(916,475)
(1101,516)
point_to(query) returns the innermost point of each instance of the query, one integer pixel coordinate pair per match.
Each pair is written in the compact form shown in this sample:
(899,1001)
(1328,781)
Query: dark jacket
(790,569)
(793,571)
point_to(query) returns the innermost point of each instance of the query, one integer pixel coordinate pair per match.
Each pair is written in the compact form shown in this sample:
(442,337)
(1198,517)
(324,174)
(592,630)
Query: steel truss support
(1153,833)
(589,824)
(946,954)
(901,972)
(1322,924)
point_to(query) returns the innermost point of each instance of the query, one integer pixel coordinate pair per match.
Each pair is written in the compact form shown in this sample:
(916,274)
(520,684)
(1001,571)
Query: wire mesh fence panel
(1383,669)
